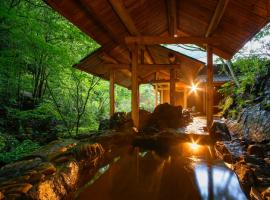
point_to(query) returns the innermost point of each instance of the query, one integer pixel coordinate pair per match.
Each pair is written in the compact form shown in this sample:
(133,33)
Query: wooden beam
(148,56)
(104,56)
(115,66)
(215,20)
(159,66)
(119,66)
(112,93)
(209,113)
(123,14)
(172,87)
(172,18)
(152,40)
(134,87)
(90,12)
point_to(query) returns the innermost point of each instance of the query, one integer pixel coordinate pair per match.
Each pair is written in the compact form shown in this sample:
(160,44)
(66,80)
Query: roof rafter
(215,20)
(123,14)
(125,18)
(97,20)
(172,18)
(152,40)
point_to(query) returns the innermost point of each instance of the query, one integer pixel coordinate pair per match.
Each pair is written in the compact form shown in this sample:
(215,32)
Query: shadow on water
(185,171)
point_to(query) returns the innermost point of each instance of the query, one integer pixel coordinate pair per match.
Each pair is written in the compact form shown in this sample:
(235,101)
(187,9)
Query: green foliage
(43,111)
(38,48)
(249,71)
(20,151)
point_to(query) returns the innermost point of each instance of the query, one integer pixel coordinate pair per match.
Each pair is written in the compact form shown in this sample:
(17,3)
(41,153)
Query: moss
(266,107)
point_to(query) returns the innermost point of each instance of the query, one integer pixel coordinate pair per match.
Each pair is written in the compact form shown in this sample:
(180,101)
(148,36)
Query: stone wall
(253,124)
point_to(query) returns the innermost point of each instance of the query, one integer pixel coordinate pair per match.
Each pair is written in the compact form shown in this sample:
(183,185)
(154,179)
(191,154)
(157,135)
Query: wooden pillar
(209,112)
(172,86)
(134,87)
(156,95)
(161,96)
(112,93)
(204,99)
(185,97)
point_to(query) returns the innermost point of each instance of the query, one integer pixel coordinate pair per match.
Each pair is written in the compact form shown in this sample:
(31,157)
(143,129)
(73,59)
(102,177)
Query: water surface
(186,171)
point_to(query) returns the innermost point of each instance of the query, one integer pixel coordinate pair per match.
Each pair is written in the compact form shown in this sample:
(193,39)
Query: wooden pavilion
(221,27)
(154,67)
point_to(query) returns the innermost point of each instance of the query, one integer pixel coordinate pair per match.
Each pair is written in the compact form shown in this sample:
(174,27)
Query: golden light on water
(194,146)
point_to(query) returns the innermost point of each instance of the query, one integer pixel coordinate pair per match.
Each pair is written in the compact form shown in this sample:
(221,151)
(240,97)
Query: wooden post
(172,86)
(204,99)
(156,95)
(209,112)
(112,97)
(161,97)
(134,87)
(185,97)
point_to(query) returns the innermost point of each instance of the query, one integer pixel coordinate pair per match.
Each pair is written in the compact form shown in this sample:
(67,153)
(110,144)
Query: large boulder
(219,131)
(119,121)
(253,124)
(165,116)
(122,121)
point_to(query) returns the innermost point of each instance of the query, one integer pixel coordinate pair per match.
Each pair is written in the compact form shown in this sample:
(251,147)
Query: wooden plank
(219,11)
(152,40)
(134,87)
(172,87)
(123,14)
(209,113)
(112,93)
(172,18)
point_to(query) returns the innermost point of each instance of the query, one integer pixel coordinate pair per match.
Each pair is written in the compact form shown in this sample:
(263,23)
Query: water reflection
(180,173)
(217,182)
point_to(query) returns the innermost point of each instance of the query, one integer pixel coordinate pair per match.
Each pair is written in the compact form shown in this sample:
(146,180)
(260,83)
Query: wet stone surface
(250,161)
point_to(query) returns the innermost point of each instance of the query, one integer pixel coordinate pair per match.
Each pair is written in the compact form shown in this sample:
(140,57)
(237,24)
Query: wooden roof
(229,23)
(155,68)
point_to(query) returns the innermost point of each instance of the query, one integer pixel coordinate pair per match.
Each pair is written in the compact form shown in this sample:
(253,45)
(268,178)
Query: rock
(46,168)
(246,176)
(61,159)
(165,116)
(219,131)
(253,124)
(104,124)
(55,149)
(18,168)
(37,177)
(266,193)
(58,186)
(228,158)
(144,117)
(254,194)
(255,150)
(1,195)
(86,150)
(20,188)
